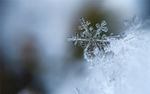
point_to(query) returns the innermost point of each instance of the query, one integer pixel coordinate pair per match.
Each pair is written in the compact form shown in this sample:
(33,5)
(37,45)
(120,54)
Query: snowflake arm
(89,38)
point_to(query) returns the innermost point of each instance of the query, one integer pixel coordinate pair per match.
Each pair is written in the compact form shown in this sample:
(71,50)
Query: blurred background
(35,56)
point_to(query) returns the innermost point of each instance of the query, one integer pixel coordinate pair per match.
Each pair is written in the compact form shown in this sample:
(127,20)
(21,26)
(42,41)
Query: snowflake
(91,39)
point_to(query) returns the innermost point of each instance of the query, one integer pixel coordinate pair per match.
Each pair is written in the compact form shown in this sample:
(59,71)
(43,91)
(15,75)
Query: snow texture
(114,69)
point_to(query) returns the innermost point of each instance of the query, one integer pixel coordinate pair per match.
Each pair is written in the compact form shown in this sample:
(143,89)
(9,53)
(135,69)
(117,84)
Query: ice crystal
(114,62)
(91,39)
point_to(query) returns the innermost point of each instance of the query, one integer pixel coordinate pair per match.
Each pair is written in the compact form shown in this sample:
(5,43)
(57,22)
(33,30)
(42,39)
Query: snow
(123,68)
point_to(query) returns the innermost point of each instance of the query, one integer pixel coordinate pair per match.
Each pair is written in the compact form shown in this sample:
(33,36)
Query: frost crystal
(114,56)
(91,39)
